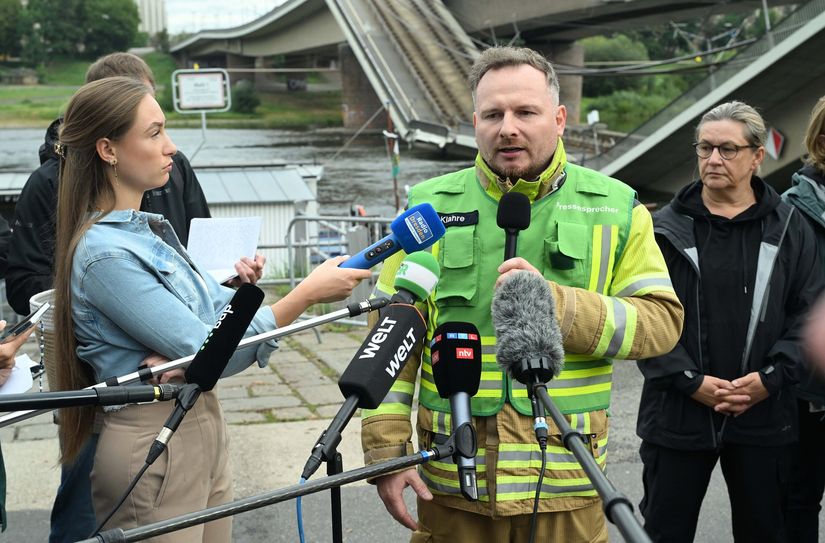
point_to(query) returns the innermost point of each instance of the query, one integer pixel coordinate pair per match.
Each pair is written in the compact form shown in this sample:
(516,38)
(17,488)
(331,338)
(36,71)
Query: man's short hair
(500,57)
(120,64)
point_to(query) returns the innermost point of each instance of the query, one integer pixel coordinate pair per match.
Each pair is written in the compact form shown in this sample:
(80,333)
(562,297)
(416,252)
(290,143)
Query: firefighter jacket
(594,243)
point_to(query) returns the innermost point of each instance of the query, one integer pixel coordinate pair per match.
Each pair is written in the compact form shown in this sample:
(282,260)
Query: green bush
(244,97)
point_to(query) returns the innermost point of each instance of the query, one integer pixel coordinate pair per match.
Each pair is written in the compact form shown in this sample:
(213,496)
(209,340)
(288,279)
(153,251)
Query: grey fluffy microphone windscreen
(528,338)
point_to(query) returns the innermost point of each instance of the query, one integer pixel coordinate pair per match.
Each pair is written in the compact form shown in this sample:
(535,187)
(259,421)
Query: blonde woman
(125,288)
(808,472)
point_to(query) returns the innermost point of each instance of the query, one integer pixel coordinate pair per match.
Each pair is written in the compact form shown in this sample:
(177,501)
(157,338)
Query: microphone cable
(122,499)
(300,514)
(540,427)
(534,518)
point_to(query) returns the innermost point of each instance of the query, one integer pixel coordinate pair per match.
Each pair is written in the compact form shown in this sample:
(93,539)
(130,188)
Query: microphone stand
(617,507)
(145,374)
(325,450)
(97,396)
(454,445)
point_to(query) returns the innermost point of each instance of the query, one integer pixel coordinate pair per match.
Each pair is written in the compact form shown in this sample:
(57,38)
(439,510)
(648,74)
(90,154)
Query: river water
(360,174)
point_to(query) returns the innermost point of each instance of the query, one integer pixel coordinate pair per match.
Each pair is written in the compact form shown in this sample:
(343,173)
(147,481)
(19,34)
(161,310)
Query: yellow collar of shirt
(535,189)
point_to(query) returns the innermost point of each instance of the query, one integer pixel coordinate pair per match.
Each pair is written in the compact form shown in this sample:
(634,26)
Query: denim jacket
(136,292)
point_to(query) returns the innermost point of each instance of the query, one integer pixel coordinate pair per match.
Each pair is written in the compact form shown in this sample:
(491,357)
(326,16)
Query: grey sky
(194,15)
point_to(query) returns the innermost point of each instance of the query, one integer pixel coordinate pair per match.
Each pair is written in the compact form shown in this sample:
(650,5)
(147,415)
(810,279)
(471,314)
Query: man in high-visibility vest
(593,242)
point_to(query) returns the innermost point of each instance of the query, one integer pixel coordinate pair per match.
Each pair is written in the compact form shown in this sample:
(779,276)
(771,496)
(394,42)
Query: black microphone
(513,216)
(529,344)
(455,353)
(381,357)
(103,395)
(210,361)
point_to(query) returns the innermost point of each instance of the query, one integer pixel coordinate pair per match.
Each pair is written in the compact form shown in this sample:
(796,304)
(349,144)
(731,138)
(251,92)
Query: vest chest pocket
(458,258)
(566,252)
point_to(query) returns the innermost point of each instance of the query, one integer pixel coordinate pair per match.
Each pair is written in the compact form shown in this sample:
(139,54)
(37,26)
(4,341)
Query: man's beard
(530,173)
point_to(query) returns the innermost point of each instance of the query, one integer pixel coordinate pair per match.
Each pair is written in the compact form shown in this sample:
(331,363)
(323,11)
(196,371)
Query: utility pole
(767,16)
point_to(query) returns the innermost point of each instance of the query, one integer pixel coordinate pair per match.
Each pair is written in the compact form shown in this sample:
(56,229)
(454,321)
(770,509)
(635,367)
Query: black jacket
(785,282)
(31,255)
(5,239)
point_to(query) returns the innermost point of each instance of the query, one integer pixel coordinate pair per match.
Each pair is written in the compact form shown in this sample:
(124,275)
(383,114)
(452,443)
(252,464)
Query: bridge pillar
(568,54)
(238,61)
(358,101)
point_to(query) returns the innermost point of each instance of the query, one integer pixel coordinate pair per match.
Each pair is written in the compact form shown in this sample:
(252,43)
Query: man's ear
(106,150)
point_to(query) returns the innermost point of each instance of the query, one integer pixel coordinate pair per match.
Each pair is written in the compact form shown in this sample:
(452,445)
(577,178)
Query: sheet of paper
(217,244)
(20,379)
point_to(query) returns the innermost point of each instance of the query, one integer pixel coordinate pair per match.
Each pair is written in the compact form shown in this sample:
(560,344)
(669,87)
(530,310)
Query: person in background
(125,289)
(8,351)
(592,241)
(807,481)
(31,269)
(745,265)
(31,255)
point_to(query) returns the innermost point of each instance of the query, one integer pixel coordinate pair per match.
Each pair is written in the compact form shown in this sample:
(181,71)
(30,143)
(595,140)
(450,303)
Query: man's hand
(706,393)
(747,391)
(8,351)
(514,265)
(174,376)
(391,488)
(248,270)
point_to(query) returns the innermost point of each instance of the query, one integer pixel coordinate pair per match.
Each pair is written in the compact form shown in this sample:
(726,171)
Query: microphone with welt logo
(206,368)
(415,229)
(455,354)
(381,357)
(513,216)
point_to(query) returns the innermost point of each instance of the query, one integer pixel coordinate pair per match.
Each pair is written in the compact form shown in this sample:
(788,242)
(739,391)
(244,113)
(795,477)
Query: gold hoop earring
(113,163)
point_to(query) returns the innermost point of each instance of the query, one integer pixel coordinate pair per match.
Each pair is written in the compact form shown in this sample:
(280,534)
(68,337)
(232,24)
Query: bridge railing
(748,55)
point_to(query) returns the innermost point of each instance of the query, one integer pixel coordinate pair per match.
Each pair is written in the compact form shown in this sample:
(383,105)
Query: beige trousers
(192,474)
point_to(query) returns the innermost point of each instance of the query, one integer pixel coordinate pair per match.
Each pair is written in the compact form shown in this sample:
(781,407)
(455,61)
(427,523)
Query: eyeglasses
(728,151)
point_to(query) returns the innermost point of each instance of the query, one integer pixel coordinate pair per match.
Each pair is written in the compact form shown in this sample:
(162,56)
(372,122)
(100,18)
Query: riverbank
(37,105)
(32,106)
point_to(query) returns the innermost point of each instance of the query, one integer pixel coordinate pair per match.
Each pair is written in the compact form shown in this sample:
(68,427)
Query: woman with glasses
(808,470)
(745,267)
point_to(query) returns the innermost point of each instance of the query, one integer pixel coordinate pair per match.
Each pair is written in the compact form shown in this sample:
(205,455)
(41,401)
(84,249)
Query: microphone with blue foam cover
(415,229)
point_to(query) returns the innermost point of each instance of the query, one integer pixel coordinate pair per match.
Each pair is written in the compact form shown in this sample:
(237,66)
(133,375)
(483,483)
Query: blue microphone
(415,229)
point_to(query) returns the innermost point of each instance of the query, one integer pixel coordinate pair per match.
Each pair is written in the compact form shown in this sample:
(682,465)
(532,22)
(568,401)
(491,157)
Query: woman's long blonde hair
(102,109)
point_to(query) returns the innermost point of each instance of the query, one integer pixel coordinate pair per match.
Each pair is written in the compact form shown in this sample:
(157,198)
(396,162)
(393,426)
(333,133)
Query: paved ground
(275,415)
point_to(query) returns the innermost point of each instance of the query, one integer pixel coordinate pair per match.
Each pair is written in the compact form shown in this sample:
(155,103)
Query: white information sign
(201,90)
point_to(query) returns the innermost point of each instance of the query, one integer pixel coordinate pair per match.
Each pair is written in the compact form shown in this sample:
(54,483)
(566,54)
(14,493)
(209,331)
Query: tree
(9,27)
(111,25)
(618,48)
(60,25)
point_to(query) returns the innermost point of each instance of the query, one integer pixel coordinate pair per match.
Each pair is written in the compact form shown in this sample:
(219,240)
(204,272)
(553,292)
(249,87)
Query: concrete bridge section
(414,53)
(782,75)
